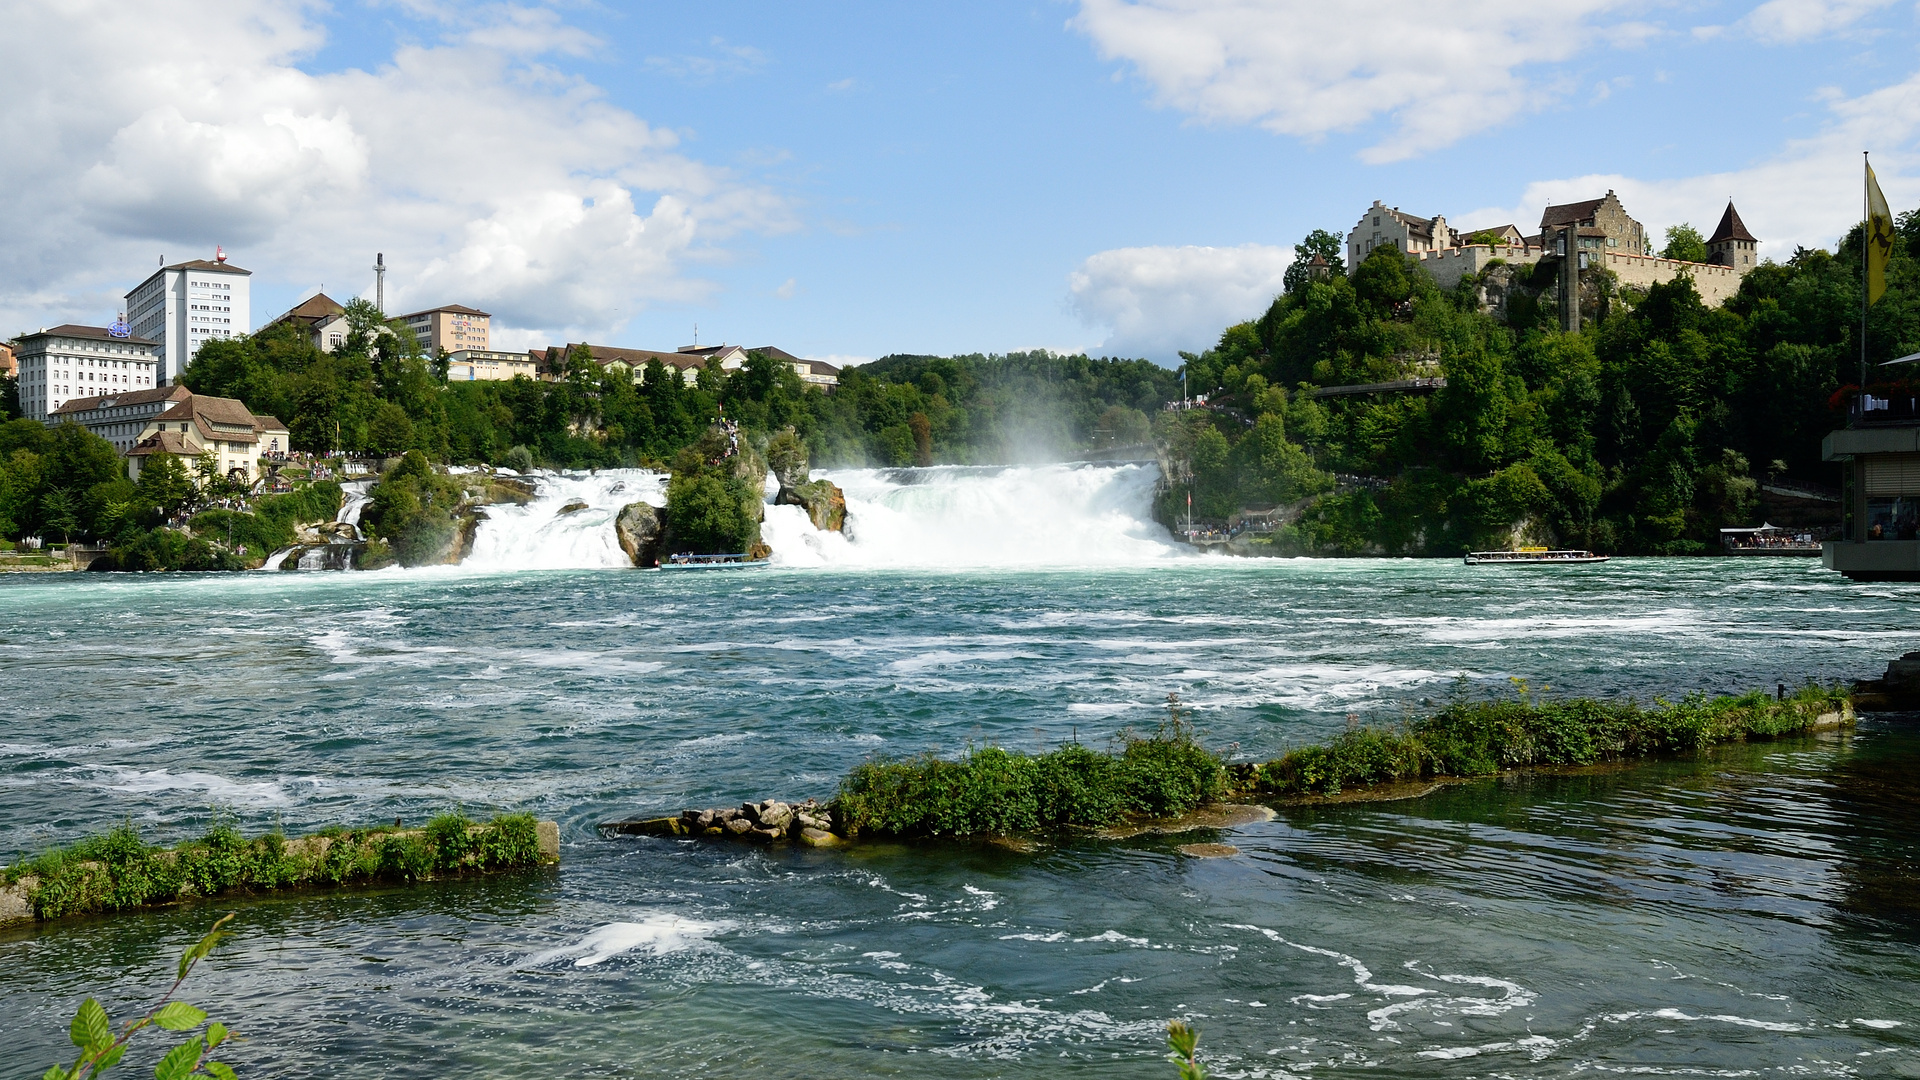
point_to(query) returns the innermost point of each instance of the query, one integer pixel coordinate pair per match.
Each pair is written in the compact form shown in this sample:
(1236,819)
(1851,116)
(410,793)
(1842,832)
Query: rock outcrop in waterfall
(824,502)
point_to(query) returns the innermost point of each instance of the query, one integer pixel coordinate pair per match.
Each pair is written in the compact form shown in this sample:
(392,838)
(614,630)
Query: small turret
(1732,245)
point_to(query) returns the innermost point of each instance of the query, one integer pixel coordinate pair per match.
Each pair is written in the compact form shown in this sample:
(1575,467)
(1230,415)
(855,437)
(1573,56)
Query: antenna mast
(380,281)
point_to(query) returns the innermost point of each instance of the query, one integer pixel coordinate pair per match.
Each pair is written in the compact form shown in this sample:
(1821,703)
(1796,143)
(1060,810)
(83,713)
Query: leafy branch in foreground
(1182,1040)
(100,1049)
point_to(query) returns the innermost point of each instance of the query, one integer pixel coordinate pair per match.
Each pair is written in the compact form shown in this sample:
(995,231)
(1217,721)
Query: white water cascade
(567,525)
(354,498)
(937,518)
(952,517)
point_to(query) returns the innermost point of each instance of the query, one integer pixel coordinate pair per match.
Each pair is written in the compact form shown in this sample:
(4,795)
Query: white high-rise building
(62,363)
(186,304)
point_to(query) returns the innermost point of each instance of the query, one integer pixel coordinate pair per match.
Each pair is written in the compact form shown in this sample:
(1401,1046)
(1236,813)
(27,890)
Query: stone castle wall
(1716,284)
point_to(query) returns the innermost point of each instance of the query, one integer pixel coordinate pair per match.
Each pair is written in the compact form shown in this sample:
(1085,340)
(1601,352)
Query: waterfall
(951,517)
(943,517)
(354,498)
(567,525)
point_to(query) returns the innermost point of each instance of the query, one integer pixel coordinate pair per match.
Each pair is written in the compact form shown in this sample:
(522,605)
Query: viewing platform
(1880,536)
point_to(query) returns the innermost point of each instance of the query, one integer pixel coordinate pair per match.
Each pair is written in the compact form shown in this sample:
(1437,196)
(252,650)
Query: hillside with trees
(1643,433)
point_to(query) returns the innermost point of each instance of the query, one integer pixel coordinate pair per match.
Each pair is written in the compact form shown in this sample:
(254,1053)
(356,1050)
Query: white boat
(1533,557)
(687,560)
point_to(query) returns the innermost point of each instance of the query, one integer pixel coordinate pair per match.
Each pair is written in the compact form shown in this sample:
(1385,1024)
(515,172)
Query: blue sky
(850,180)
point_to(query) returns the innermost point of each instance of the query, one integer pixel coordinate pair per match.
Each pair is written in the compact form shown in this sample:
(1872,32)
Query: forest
(1643,433)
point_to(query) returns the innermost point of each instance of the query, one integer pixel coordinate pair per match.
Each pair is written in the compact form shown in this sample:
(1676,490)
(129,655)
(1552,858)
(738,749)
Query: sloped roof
(1732,228)
(313,309)
(1569,213)
(91,333)
(163,442)
(131,397)
(267,423)
(454,309)
(607,354)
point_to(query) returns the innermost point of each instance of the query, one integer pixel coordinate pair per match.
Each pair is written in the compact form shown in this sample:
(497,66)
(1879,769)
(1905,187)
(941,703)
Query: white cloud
(1782,21)
(1806,195)
(486,177)
(1157,301)
(1443,69)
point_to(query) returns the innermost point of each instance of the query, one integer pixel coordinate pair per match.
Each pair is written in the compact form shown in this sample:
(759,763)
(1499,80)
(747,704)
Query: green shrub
(1481,738)
(116,871)
(995,791)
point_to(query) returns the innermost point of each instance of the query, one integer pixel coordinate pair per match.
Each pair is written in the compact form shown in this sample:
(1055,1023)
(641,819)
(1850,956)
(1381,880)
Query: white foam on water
(1720,1018)
(1880,1024)
(147,782)
(539,536)
(655,934)
(951,517)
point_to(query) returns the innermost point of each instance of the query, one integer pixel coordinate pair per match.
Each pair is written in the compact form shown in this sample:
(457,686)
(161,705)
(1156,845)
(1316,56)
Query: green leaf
(220,1072)
(108,1060)
(205,945)
(55,1073)
(180,1061)
(216,1034)
(179,1016)
(90,1029)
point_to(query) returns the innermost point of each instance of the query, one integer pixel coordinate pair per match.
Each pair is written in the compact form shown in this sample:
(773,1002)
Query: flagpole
(1866,230)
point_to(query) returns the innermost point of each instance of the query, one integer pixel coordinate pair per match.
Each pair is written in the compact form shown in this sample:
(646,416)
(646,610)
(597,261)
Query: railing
(1876,411)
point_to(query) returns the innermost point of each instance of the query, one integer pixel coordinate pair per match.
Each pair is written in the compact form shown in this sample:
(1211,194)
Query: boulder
(574,507)
(763,835)
(817,838)
(739,826)
(825,503)
(641,532)
(775,815)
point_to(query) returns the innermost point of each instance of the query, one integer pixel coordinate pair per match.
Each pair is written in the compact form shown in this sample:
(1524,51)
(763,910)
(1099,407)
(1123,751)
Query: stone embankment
(770,821)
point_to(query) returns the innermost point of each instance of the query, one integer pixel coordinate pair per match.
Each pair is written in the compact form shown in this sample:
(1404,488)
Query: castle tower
(1732,245)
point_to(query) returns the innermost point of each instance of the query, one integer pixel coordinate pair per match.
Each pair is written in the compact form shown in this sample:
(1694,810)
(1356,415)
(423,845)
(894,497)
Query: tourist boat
(1769,540)
(1533,556)
(687,560)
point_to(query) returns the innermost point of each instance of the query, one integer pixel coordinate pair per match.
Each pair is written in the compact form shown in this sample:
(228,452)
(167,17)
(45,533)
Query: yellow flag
(1879,238)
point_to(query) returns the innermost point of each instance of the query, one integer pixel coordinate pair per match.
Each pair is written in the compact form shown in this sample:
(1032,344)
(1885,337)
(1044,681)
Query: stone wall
(1716,284)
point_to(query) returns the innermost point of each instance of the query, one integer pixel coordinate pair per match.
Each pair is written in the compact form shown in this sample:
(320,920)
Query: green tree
(60,514)
(1330,246)
(1684,242)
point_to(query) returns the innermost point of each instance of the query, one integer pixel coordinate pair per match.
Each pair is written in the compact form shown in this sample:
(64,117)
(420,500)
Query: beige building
(1386,226)
(480,365)
(452,328)
(1617,230)
(199,424)
(121,419)
(322,318)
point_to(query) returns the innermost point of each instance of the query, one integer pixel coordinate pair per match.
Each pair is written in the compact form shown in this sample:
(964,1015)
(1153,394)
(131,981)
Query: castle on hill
(1600,230)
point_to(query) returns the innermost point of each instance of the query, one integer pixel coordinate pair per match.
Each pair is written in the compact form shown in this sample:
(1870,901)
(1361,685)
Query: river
(1754,913)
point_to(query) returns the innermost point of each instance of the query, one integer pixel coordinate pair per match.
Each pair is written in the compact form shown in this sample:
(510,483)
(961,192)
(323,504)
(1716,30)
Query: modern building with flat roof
(452,328)
(61,363)
(187,304)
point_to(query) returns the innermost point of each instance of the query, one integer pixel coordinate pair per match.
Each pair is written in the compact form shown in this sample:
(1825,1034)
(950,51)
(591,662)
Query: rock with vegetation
(824,502)
(1168,783)
(119,871)
(1482,738)
(716,496)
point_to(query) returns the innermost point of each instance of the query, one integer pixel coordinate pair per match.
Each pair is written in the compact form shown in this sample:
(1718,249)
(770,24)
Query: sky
(850,180)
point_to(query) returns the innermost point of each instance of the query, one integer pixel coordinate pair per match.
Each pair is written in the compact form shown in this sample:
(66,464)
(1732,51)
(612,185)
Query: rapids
(1750,913)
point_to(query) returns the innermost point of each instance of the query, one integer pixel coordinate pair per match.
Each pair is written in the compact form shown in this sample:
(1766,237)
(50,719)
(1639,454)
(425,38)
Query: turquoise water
(1753,913)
